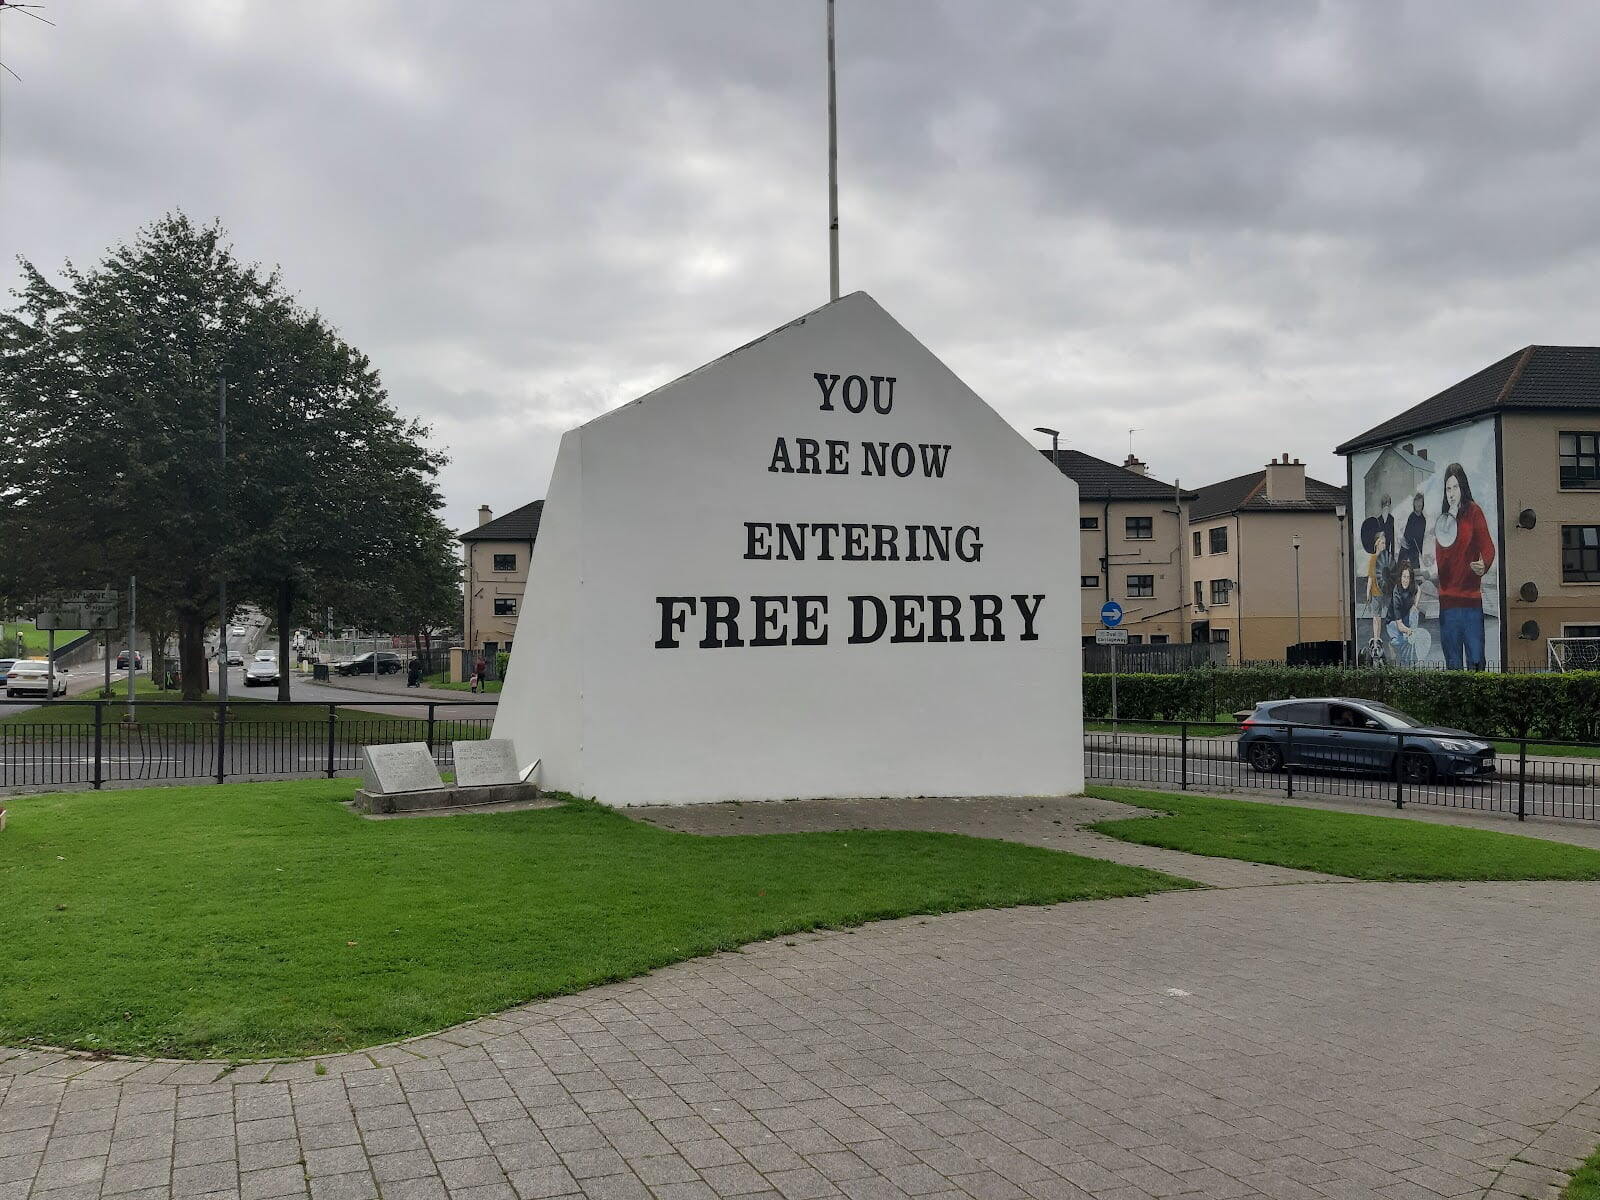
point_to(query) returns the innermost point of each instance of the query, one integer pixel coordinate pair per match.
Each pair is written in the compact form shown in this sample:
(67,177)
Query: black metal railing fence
(1521,777)
(88,743)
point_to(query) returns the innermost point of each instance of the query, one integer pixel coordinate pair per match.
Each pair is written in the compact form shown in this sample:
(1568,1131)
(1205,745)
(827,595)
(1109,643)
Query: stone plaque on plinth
(403,767)
(486,762)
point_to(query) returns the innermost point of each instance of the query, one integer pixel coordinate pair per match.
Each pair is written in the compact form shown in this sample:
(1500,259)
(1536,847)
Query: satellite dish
(1529,591)
(1527,518)
(1529,631)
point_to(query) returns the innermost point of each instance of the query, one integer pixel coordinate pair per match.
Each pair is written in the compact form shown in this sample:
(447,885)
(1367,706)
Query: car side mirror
(1369,723)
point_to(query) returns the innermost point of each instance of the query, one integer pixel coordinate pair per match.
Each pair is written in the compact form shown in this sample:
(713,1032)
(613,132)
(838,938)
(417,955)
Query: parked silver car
(31,677)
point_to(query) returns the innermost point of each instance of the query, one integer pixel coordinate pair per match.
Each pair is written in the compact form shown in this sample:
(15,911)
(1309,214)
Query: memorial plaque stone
(485,763)
(404,767)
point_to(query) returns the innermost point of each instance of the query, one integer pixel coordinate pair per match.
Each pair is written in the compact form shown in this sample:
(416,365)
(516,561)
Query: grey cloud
(1241,227)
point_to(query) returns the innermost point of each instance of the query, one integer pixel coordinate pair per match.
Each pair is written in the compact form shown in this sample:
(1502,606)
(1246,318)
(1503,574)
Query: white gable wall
(651,501)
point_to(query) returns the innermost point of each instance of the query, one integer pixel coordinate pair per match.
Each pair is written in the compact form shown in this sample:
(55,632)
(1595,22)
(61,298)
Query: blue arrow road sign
(1111,614)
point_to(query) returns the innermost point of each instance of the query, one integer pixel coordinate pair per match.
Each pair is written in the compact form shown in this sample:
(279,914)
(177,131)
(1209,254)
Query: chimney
(1286,480)
(1133,464)
(485,515)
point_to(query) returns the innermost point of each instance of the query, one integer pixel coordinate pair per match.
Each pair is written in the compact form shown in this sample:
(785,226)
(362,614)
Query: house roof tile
(1098,479)
(1534,378)
(1248,493)
(518,525)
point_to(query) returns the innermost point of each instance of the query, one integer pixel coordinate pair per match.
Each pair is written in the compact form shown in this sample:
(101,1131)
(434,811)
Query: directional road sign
(1111,614)
(80,610)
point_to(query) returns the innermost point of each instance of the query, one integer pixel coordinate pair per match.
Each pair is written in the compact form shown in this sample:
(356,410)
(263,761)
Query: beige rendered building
(495,557)
(1489,492)
(1265,562)
(1131,537)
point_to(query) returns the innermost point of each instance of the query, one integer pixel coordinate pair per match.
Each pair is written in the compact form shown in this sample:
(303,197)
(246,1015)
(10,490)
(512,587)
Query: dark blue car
(1340,734)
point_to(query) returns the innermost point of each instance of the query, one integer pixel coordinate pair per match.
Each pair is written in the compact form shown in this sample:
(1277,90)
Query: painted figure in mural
(1411,641)
(1463,553)
(1386,516)
(1415,534)
(1380,572)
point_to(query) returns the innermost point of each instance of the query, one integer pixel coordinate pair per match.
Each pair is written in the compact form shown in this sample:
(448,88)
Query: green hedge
(1560,707)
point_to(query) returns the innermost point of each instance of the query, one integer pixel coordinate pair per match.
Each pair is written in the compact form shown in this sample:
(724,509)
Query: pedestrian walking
(414,674)
(480,671)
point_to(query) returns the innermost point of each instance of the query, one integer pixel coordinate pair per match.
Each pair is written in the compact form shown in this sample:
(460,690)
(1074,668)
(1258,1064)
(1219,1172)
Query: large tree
(110,455)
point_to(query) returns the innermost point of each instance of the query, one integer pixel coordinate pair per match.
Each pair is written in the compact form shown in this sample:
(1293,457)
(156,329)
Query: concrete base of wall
(385,803)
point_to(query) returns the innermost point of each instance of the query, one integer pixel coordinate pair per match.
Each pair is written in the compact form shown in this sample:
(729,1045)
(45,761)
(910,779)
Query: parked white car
(31,677)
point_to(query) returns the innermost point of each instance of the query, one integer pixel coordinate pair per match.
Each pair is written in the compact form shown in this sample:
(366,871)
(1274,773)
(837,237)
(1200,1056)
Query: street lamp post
(1295,540)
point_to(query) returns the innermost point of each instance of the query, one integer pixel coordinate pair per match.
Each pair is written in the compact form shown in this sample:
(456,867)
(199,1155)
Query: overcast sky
(1241,227)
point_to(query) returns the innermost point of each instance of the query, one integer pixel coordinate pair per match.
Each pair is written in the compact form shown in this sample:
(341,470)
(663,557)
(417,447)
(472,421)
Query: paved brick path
(1321,1040)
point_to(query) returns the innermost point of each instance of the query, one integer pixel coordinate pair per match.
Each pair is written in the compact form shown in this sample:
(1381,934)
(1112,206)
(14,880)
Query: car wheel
(1265,756)
(1417,766)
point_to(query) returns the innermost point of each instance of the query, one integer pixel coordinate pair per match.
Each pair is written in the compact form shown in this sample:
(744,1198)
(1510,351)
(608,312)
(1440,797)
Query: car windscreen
(1392,717)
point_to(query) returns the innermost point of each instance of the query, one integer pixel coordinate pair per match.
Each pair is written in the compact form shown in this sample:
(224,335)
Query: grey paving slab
(1274,1036)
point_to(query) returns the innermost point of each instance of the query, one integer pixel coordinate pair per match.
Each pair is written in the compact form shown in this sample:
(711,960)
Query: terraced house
(1489,492)
(1266,557)
(495,567)
(1132,530)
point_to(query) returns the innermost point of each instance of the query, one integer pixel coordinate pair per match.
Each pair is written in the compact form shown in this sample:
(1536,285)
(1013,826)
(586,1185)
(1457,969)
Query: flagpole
(833,169)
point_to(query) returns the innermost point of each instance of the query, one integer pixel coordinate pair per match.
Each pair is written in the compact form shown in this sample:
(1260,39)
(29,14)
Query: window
(1580,553)
(1299,713)
(1219,590)
(1158,639)
(1580,460)
(1136,639)
(505,606)
(1220,635)
(1141,585)
(1590,631)
(1091,581)
(505,562)
(1199,592)
(1219,540)
(1139,529)
(1089,641)
(1088,522)
(1197,549)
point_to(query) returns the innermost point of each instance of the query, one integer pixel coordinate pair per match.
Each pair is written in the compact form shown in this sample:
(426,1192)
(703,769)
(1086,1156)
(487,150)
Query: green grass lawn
(442,680)
(1337,843)
(265,919)
(1585,1181)
(36,641)
(1541,749)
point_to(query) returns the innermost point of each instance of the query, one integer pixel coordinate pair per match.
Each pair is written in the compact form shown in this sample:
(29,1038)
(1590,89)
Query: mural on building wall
(1425,519)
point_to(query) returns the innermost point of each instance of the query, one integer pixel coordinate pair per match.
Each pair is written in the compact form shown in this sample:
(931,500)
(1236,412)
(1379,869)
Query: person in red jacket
(1463,554)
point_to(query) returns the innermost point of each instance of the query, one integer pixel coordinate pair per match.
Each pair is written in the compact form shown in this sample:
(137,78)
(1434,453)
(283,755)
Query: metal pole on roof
(833,168)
